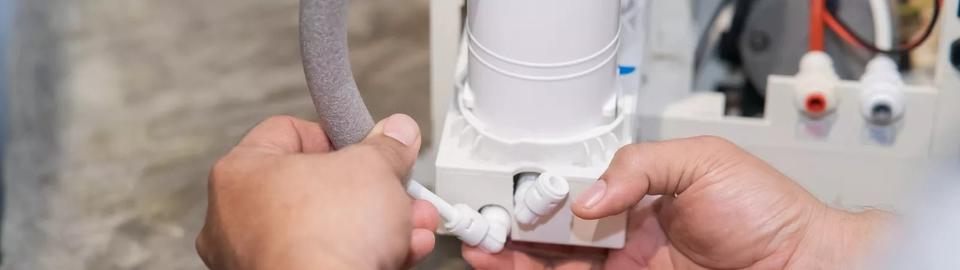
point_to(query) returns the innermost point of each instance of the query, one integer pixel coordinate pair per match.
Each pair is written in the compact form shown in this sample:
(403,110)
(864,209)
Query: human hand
(282,199)
(720,208)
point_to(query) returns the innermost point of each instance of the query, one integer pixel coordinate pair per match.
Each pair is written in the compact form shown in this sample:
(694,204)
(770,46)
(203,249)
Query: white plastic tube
(882,24)
(561,53)
(418,191)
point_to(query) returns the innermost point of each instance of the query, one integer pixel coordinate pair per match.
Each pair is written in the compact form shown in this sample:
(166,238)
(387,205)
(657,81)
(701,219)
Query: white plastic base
(461,179)
(478,170)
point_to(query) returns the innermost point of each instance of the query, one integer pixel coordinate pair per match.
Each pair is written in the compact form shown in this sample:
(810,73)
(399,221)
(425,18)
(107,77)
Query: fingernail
(401,128)
(593,195)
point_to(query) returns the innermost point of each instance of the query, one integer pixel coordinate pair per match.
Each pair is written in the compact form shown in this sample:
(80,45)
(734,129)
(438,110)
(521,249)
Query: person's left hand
(281,199)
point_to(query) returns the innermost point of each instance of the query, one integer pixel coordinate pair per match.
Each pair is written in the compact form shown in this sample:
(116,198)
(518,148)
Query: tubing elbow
(538,195)
(487,229)
(496,236)
(468,225)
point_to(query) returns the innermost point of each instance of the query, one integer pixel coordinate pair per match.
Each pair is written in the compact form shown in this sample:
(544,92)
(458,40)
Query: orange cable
(817,8)
(840,31)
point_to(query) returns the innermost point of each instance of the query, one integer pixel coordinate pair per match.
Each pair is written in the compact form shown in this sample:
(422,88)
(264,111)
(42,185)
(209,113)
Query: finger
(660,168)
(393,143)
(425,215)
(422,242)
(425,221)
(559,252)
(580,265)
(482,260)
(528,256)
(286,135)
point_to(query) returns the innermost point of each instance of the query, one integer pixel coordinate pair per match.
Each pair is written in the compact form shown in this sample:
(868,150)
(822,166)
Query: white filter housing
(538,95)
(542,69)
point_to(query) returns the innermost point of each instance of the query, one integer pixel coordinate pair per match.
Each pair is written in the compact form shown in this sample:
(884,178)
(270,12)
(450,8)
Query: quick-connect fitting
(816,83)
(881,96)
(468,225)
(496,236)
(487,229)
(537,196)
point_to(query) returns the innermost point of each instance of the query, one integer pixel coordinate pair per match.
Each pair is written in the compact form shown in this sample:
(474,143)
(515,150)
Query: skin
(703,203)
(282,199)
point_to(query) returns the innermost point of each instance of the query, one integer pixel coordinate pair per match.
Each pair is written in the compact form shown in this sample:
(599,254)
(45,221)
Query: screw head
(758,41)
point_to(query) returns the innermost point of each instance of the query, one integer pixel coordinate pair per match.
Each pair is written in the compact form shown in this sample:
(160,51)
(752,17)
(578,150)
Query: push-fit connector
(816,81)
(538,195)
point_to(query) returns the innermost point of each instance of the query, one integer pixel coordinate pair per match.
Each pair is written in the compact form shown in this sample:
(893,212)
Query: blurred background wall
(117,109)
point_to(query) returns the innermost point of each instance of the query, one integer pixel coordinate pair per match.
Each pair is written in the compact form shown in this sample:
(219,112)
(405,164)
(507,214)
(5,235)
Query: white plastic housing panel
(467,174)
(841,159)
(565,228)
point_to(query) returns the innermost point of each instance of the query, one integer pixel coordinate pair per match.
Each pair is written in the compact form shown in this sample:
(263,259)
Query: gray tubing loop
(323,44)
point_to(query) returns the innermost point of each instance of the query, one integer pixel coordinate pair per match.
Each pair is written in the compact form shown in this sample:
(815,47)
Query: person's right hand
(720,208)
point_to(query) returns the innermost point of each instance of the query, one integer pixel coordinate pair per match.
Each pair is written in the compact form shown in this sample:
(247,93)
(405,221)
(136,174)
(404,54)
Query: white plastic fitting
(816,83)
(881,99)
(537,196)
(468,225)
(488,229)
(496,236)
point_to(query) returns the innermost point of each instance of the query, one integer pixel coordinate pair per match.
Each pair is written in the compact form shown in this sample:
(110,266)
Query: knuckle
(220,170)
(379,157)
(716,143)
(278,119)
(628,158)
(712,140)
(631,151)
(393,155)
(202,251)
(228,167)
(200,246)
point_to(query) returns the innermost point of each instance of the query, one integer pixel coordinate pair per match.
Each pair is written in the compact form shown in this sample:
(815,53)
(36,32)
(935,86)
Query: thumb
(660,168)
(394,142)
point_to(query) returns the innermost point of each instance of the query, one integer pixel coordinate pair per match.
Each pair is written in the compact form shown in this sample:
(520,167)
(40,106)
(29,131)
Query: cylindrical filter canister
(542,68)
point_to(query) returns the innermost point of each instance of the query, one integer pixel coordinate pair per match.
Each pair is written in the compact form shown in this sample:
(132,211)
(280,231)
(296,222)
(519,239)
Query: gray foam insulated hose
(323,44)
(345,119)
